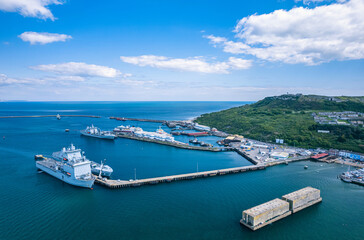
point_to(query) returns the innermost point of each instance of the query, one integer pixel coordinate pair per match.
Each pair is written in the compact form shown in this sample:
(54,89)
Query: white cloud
(5,80)
(195,64)
(79,69)
(301,35)
(65,78)
(30,8)
(308,2)
(43,37)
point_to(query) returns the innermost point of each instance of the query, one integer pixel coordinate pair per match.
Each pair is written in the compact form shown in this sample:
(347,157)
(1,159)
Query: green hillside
(289,117)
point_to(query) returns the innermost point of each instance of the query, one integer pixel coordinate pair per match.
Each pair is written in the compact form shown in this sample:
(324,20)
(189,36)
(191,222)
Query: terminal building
(266,213)
(302,198)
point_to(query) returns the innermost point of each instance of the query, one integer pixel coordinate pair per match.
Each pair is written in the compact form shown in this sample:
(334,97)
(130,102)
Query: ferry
(70,166)
(97,133)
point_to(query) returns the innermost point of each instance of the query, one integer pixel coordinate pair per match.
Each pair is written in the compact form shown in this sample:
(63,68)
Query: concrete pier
(167,179)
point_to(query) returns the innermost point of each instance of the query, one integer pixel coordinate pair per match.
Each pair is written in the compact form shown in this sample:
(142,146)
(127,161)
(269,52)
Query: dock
(167,179)
(172,144)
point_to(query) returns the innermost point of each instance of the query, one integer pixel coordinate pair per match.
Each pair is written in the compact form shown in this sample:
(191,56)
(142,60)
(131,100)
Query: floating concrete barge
(269,212)
(302,198)
(264,214)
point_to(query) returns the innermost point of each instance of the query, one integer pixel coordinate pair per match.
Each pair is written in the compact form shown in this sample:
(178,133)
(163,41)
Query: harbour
(171,208)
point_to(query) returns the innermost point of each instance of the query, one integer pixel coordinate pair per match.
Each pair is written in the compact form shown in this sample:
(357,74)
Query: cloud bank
(196,64)
(43,37)
(30,8)
(301,35)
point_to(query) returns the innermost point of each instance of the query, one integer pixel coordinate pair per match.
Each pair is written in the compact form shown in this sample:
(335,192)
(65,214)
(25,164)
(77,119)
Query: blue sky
(179,50)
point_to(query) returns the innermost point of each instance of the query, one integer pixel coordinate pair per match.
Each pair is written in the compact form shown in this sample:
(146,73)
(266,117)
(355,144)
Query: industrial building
(302,198)
(279,155)
(266,213)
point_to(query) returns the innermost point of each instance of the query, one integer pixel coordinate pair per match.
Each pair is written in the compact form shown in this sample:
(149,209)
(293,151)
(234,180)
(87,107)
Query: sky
(179,50)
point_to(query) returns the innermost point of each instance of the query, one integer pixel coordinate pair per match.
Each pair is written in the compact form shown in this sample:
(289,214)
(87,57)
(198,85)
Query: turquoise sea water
(37,206)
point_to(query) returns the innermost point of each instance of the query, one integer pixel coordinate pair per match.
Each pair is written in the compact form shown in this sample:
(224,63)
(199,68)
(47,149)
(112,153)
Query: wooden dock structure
(167,179)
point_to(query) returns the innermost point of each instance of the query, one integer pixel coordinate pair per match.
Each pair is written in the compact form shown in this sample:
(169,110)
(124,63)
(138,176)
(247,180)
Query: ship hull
(97,136)
(65,178)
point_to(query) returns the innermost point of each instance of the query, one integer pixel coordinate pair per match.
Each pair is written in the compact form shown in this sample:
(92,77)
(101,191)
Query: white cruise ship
(126,129)
(70,166)
(157,135)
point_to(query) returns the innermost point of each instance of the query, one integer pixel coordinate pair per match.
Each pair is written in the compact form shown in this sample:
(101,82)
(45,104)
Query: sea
(35,205)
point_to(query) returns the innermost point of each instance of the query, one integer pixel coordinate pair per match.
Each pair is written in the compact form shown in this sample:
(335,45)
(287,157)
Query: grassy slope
(290,118)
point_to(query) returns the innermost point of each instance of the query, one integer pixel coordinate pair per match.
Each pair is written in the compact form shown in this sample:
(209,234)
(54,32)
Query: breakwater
(41,116)
(138,119)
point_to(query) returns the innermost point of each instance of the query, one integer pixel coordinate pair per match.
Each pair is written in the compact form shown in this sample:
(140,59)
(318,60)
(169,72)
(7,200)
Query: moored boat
(70,166)
(97,133)
(106,170)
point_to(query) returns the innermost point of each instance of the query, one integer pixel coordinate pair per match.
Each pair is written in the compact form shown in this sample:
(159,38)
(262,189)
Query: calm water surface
(37,206)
